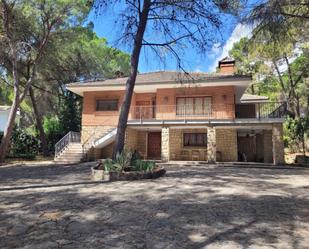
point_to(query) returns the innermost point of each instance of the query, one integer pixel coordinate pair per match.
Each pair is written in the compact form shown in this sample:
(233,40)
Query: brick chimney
(227,65)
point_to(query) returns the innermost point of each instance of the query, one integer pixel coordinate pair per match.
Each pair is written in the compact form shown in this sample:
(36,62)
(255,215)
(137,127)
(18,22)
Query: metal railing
(70,137)
(218,111)
(272,110)
(182,112)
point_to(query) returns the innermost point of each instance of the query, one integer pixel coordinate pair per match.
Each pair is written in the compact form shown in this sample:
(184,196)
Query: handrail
(70,137)
(213,111)
(162,112)
(273,110)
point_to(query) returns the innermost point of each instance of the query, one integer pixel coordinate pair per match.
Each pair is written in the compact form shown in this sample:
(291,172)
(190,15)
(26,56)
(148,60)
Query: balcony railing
(181,112)
(272,110)
(189,112)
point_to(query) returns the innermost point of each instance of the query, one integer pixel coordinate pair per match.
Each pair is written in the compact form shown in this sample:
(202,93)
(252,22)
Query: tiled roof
(163,77)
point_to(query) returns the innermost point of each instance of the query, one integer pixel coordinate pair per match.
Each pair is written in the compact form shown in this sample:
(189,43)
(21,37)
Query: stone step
(66,162)
(67,159)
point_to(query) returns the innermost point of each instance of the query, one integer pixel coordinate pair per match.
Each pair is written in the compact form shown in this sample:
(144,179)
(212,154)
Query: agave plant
(123,160)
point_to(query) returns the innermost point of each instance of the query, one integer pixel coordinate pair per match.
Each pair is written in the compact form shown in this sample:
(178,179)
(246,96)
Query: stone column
(165,144)
(211,144)
(267,146)
(278,147)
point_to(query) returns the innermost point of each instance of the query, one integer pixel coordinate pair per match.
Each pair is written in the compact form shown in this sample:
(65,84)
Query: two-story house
(178,116)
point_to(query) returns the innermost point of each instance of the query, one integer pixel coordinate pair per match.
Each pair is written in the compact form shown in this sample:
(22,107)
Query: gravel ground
(55,206)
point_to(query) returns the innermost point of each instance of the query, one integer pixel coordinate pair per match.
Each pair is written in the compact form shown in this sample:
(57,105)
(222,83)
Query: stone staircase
(69,149)
(73,153)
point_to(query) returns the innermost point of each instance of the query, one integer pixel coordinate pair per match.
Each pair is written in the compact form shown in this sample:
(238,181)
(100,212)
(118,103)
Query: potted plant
(97,172)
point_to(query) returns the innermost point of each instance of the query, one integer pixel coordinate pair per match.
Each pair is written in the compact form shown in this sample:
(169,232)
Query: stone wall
(91,133)
(278,147)
(165,144)
(178,151)
(267,146)
(211,145)
(107,151)
(136,140)
(130,139)
(227,144)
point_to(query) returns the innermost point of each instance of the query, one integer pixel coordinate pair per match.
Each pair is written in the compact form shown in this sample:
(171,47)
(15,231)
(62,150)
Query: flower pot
(106,176)
(97,174)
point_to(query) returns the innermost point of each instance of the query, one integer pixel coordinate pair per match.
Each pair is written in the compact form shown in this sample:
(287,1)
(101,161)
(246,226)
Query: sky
(193,61)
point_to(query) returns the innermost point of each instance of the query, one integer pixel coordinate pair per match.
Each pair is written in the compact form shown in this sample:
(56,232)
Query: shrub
(140,165)
(123,160)
(23,144)
(53,131)
(126,161)
(109,166)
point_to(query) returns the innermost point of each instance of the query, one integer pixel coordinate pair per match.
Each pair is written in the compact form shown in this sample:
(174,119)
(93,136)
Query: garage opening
(254,146)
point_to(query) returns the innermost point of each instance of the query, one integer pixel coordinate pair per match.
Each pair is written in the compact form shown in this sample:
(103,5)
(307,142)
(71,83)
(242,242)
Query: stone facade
(267,146)
(136,140)
(165,144)
(178,151)
(226,142)
(91,133)
(107,151)
(278,147)
(211,144)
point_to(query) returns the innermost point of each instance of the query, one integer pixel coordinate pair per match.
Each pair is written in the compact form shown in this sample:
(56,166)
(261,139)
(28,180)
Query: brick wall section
(227,68)
(267,146)
(211,144)
(278,147)
(165,144)
(226,140)
(222,103)
(222,100)
(91,117)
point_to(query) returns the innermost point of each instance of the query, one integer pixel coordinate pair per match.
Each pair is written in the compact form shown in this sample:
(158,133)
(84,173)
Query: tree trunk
(125,107)
(39,124)
(304,145)
(5,142)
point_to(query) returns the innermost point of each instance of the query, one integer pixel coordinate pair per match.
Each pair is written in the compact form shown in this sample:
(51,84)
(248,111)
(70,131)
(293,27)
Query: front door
(154,145)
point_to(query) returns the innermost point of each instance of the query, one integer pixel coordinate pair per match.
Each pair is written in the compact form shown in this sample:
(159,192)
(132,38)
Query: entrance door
(154,145)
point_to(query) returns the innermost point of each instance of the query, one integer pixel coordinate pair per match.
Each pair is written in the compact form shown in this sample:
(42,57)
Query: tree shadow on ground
(183,210)
(44,174)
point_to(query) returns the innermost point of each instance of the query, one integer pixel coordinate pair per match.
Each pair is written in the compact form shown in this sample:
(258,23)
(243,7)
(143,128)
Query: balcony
(269,110)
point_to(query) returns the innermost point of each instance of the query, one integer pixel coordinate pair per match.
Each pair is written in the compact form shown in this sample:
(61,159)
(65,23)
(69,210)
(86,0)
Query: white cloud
(239,32)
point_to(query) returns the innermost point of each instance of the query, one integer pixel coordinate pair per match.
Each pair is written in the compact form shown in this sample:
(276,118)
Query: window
(107,105)
(193,106)
(195,139)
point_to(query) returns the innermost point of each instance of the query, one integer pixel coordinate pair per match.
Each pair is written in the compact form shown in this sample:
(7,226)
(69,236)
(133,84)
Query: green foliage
(124,161)
(70,113)
(53,131)
(22,143)
(109,166)
(296,130)
(140,165)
